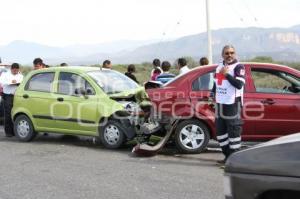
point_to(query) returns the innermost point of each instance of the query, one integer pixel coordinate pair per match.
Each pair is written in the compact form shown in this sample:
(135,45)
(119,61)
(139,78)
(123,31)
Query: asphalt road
(61,167)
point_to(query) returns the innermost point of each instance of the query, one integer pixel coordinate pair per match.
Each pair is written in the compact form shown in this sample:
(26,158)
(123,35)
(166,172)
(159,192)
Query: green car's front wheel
(23,128)
(112,134)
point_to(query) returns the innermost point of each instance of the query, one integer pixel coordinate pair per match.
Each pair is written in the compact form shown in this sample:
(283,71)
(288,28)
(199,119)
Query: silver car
(267,171)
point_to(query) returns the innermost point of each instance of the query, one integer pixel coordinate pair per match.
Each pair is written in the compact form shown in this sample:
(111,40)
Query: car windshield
(112,81)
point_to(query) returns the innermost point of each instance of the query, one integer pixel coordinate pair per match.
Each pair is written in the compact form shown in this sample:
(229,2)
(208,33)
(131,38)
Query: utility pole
(209,43)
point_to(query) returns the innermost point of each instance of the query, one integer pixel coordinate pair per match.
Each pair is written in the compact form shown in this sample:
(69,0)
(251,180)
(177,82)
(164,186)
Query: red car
(271,104)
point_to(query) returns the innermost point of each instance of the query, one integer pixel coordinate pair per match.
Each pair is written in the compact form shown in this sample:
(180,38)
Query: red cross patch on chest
(220,77)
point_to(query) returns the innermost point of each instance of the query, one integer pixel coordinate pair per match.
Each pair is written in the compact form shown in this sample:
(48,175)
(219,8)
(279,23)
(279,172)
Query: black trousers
(229,127)
(8,104)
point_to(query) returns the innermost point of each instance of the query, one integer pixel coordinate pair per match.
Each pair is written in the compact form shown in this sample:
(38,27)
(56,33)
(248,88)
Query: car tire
(112,134)
(23,128)
(191,136)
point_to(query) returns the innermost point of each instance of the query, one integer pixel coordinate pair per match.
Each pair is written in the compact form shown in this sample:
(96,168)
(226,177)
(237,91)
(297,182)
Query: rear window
(204,82)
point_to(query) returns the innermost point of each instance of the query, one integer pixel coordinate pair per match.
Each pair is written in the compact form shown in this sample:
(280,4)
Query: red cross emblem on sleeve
(220,77)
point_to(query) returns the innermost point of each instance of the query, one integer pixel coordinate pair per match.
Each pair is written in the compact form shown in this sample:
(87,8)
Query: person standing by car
(63,64)
(107,64)
(38,64)
(205,79)
(10,81)
(182,66)
(203,61)
(130,71)
(228,91)
(166,75)
(156,69)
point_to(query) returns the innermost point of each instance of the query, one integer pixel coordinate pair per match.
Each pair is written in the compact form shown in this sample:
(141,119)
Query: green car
(79,101)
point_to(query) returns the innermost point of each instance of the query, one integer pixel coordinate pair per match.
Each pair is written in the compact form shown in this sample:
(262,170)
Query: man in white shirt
(182,65)
(10,81)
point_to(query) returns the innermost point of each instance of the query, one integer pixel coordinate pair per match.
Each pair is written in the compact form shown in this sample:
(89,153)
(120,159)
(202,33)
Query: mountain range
(282,44)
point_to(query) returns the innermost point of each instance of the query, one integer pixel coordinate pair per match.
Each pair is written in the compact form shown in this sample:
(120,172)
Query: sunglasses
(229,53)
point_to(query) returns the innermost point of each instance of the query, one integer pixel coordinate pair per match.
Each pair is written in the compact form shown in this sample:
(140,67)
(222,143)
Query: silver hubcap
(111,134)
(23,128)
(191,136)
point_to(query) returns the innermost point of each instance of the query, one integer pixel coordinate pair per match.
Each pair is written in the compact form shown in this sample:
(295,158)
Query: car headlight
(131,107)
(227,186)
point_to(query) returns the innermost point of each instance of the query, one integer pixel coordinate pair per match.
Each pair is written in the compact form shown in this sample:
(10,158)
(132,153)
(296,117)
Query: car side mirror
(89,91)
(80,91)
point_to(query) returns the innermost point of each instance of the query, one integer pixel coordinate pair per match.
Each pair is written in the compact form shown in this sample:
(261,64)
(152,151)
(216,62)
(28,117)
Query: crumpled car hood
(139,95)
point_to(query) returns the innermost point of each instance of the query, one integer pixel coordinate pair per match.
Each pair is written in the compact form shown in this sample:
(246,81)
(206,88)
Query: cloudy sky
(65,22)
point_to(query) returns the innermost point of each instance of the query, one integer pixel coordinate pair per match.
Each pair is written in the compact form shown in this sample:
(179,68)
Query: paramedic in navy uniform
(228,92)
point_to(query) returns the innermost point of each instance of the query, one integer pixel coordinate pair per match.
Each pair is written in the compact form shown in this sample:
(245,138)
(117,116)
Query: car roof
(4,64)
(213,66)
(249,63)
(70,69)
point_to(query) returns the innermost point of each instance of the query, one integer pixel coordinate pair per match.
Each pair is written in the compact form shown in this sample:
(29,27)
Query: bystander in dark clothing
(10,81)
(130,71)
(107,64)
(38,64)
(203,61)
(205,82)
(166,75)
(63,64)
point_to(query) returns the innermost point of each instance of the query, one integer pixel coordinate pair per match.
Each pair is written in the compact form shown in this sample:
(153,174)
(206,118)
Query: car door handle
(60,99)
(25,96)
(268,101)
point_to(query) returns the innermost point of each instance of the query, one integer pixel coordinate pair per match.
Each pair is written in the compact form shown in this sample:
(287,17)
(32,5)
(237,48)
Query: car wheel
(191,136)
(112,134)
(23,128)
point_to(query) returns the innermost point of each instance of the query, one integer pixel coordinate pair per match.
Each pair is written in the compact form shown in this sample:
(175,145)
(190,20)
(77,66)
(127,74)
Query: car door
(75,112)
(273,106)
(201,88)
(38,98)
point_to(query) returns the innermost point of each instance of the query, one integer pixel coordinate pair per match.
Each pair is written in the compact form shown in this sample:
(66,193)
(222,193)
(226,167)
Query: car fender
(208,117)
(20,110)
(120,115)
